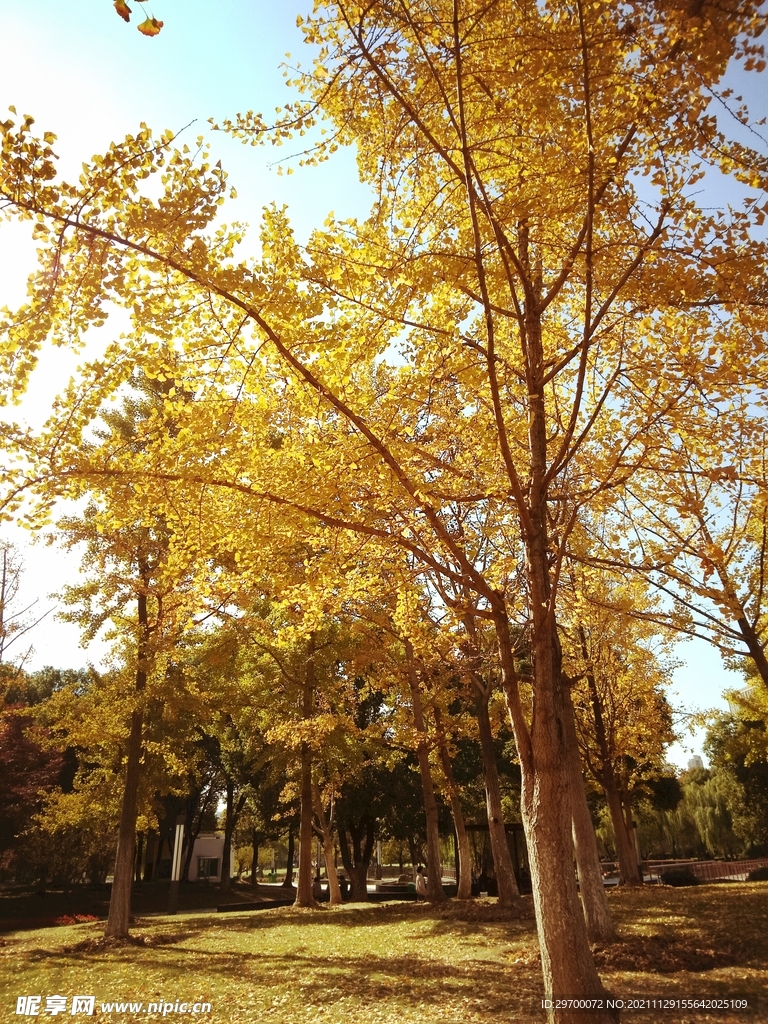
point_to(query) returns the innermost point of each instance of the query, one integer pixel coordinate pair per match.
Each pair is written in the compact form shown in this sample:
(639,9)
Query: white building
(207,858)
(738,698)
(695,762)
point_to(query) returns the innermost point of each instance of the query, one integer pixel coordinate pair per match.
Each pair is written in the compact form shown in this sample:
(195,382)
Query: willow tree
(538,256)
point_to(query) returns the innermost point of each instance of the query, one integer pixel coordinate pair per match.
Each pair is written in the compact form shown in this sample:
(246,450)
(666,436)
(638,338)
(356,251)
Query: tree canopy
(540,315)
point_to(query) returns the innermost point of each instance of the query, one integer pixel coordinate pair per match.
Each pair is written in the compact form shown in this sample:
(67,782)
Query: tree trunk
(230,823)
(629,872)
(746,628)
(567,964)
(119,917)
(464,863)
(334,891)
(755,647)
(600,927)
(254,858)
(304,897)
(435,890)
(325,829)
(358,883)
(138,856)
(415,852)
(150,867)
(629,869)
(288,880)
(190,831)
(509,894)
(191,837)
(118,920)
(357,858)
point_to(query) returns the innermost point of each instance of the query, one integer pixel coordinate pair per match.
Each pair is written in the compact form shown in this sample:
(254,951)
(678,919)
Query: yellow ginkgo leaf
(150,27)
(123,10)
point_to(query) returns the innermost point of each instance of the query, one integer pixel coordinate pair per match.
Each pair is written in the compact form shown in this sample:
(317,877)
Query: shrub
(758,874)
(679,877)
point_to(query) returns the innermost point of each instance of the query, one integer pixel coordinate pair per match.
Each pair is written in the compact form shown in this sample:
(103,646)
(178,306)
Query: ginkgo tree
(620,666)
(695,525)
(537,257)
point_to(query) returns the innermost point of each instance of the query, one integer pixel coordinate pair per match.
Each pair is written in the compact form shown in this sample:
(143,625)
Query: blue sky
(86,75)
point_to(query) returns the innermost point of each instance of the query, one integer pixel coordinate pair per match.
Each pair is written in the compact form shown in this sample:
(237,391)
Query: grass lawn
(393,962)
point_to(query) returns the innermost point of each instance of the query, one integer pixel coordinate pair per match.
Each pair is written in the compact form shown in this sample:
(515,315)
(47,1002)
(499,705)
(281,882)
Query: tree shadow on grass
(465,918)
(360,974)
(484,985)
(721,917)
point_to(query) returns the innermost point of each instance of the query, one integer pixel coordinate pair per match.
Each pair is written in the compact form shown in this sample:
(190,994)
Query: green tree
(738,750)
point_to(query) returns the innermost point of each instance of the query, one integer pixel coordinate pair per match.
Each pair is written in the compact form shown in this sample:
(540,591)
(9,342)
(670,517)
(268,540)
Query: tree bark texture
(324,828)
(509,893)
(435,891)
(464,865)
(567,964)
(120,899)
(600,927)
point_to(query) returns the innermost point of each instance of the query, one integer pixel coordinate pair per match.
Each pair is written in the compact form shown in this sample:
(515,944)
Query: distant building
(205,865)
(695,762)
(207,858)
(742,697)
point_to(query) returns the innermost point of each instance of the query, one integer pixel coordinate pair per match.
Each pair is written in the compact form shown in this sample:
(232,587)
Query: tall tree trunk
(567,964)
(600,927)
(464,865)
(119,917)
(509,893)
(435,890)
(325,829)
(288,880)
(629,869)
